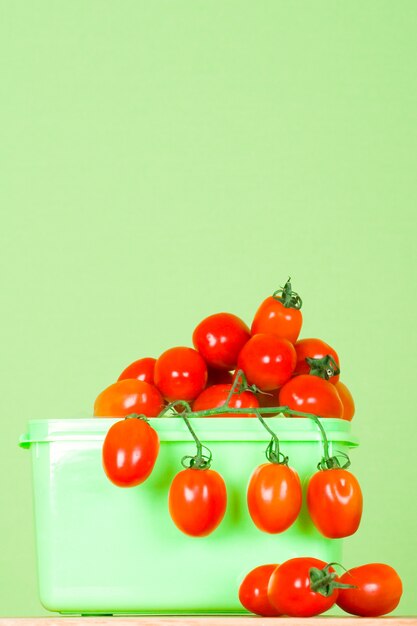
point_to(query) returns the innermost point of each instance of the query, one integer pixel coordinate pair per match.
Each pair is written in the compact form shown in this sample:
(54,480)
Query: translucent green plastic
(102,549)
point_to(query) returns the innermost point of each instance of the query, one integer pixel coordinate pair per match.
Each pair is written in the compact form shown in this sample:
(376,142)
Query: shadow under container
(107,550)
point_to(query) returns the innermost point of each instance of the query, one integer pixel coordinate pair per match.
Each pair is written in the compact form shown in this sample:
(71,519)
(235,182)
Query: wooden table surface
(216,620)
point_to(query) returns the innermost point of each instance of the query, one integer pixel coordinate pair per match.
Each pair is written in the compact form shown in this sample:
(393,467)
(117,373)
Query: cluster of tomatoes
(305,586)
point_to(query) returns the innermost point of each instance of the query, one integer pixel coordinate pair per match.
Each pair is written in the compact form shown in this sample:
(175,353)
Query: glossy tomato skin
(219,338)
(197,501)
(180,374)
(347,401)
(289,589)
(378,590)
(253,591)
(142,369)
(274,318)
(215,396)
(313,349)
(334,500)
(311,394)
(128,396)
(274,497)
(130,450)
(267,361)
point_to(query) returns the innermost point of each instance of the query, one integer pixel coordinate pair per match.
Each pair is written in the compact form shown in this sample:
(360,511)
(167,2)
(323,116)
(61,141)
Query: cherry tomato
(142,370)
(274,497)
(334,500)
(218,377)
(274,318)
(253,591)
(378,590)
(128,396)
(180,374)
(216,396)
(197,501)
(289,589)
(130,450)
(267,361)
(347,401)
(313,349)
(219,338)
(311,394)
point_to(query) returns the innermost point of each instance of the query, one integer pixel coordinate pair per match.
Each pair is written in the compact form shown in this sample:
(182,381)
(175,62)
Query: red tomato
(197,501)
(378,590)
(311,394)
(180,374)
(142,370)
(253,591)
(219,338)
(274,318)
(269,399)
(313,349)
(216,396)
(218,377)
(128,396)
(267,361)
(130,450)
(289,589)
(334,500)
(274,497)
(347,401)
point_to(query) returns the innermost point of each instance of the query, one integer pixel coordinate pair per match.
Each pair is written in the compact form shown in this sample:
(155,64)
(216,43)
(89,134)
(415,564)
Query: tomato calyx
(272,452)
(324,582)
(289,298)
(136,416)
(326,367)
(332,462)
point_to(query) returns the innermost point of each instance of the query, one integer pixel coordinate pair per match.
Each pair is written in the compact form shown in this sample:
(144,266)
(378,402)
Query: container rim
(207,428)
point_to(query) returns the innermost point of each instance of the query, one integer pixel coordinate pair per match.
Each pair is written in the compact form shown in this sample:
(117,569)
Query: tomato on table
(267,361)
(335,502)
(130,450)
(128,396)
(311,394)
(197,501)
(142,369)
(290,588)
(280,315)
(180,374)
(378,590)
(313,349)
(253,591)
(347,401)
(219,338)
(215,396)
(274,497)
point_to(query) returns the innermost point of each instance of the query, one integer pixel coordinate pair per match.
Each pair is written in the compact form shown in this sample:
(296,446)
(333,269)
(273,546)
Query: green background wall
(161,161)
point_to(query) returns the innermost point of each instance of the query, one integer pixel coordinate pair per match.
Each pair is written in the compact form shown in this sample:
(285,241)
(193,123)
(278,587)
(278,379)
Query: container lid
(207,429)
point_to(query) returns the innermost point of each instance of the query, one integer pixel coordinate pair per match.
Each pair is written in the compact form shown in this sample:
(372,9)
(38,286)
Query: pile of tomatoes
(305,586)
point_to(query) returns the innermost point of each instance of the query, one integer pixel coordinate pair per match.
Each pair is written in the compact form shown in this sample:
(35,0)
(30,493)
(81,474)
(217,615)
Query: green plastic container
(102,549)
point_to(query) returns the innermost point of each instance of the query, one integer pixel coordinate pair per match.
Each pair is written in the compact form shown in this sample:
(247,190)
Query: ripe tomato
(334,500)
(280,315)
(267,361)
(130,450)
(378,590)
(219,338)
(197,501)
(253,591)
(274,497)
(216,396)
(269,399)
(128,396)
(142,370)
(218,377)
(290,592)
(311,394)
(313,349)
(347,401)
(180,374)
